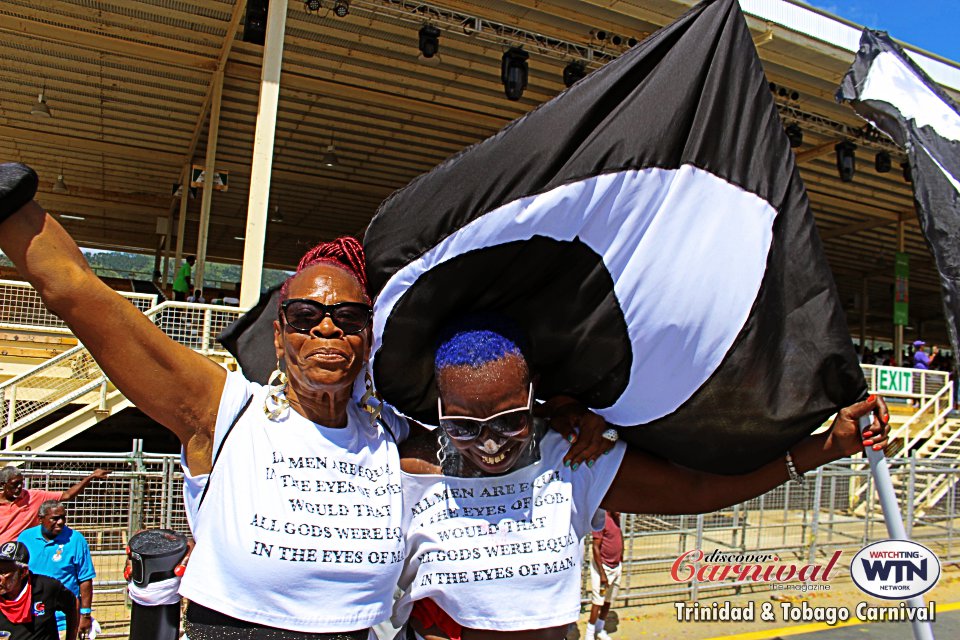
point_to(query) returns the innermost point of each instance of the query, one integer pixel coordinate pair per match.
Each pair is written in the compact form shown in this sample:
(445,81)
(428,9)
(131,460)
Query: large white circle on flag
(685,249)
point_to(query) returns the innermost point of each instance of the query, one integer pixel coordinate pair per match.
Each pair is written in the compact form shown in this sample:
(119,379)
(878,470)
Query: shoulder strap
(386,427)
(216,456)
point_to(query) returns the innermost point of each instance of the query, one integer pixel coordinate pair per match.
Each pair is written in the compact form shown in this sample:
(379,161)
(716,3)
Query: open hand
(581,427)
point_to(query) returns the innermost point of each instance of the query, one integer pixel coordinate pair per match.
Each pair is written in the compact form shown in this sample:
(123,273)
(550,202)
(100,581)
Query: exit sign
(894,380)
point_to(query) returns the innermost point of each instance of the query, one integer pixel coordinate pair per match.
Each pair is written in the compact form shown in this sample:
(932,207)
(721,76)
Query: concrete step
(21,351)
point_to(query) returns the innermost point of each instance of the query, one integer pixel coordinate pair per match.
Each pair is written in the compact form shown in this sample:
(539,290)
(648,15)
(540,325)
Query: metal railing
(801,524)
(922,432)
(73,374)
(22,309)
(928,417)
(903,382)
(143,491)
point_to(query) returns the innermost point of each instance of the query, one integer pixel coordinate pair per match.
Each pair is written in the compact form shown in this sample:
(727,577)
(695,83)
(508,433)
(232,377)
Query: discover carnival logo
(895,569)
(720,566)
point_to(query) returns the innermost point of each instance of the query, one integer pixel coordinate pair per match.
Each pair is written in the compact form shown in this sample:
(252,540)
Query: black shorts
(206,624)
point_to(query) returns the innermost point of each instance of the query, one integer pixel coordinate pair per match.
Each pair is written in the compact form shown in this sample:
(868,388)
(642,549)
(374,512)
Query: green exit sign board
(894,381)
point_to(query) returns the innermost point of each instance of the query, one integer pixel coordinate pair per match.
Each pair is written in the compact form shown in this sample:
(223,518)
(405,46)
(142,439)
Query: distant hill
(120,264)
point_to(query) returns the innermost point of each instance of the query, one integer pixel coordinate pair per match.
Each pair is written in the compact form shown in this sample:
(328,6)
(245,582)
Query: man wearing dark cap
(28,601)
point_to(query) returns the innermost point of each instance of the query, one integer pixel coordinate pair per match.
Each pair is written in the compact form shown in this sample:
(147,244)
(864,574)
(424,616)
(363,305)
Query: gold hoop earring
(370,401)
(276,395)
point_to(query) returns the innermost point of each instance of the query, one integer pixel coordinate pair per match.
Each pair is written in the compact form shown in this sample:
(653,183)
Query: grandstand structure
(119,102)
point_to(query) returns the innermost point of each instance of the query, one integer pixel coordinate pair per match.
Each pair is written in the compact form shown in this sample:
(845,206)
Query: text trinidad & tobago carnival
(719,566)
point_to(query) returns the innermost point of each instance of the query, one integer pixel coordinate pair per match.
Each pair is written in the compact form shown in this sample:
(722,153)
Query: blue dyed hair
(475,340)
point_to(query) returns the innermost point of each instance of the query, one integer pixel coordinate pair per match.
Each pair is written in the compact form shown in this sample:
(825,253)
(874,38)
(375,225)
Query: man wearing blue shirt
(58,551)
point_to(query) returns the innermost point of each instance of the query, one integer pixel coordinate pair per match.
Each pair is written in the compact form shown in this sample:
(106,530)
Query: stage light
(276,215)
(573,72)
(907,172)
(616,40)
(795,135)
(882,162)
(846,160)
(312,5)
(60,186)
(513,72)
(255,22)
(601,35)
(429,41)
(330,159)
(632,42)
(341,8)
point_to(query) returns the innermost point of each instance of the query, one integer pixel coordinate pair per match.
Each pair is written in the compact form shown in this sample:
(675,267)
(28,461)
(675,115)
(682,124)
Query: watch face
(136,564)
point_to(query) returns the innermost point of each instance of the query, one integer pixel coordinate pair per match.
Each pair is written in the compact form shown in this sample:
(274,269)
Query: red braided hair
(345,252)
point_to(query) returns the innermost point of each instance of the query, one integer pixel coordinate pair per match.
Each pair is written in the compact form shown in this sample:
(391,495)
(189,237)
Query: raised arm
(77,489)
(175,386)
(647,484)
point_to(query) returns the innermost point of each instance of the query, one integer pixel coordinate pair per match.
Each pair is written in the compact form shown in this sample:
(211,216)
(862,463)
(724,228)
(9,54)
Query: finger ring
(611,435)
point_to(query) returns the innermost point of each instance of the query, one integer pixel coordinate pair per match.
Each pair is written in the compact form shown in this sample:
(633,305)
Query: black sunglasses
(302,315)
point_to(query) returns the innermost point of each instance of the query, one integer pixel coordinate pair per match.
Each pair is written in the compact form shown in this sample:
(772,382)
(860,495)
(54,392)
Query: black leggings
(207,624)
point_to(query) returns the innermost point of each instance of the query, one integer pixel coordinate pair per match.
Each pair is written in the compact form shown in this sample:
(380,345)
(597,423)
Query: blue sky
(933,25)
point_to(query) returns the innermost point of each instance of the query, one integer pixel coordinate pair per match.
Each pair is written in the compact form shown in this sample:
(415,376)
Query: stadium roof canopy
(129,86)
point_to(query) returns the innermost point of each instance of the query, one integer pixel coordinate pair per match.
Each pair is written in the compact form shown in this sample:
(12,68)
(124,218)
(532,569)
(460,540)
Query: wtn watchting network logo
(895,569)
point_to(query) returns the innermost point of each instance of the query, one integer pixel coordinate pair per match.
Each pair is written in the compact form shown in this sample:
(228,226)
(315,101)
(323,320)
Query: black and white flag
(890,91)
(649,230)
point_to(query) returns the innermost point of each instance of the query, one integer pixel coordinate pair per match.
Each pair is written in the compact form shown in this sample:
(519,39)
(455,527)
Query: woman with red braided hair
(292,488)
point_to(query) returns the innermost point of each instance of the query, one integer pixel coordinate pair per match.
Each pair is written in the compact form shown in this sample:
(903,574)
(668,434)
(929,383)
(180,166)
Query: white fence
(22,309)
(73,376)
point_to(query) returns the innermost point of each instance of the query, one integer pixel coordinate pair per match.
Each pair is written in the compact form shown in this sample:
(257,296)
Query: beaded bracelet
(795,476)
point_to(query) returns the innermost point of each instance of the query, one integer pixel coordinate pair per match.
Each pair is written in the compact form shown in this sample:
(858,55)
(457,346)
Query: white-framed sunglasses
(509,423)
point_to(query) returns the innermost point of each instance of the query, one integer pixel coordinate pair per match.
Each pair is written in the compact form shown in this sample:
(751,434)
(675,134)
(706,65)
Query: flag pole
(922,630)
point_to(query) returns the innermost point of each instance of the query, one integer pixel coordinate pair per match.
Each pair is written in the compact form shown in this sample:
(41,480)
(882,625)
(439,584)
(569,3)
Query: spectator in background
(28,601)
(936,359)
(197,297)
(182,286)
(606,565)
(59,552)
(19,506)
(920,358)
(234,298)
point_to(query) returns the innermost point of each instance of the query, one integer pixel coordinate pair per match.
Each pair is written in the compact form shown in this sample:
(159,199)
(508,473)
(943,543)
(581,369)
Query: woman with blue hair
(493,515)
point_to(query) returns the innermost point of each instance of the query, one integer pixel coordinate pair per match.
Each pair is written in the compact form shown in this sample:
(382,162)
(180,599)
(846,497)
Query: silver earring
(370,401)
(534,446)
(277,395)
(442,444)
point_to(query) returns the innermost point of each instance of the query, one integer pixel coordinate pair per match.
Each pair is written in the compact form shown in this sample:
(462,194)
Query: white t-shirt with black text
(300,526)
(503,553)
